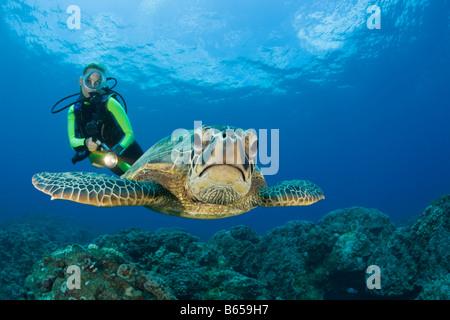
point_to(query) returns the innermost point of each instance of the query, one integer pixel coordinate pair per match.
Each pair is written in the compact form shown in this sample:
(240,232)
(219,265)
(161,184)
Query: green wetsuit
(113,127)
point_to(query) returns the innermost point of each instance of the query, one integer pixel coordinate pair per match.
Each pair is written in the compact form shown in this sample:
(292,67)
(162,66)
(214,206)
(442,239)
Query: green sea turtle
(206,173)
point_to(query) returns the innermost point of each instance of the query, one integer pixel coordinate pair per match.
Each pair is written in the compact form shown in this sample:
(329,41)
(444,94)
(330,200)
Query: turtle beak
(237,149)
(222,168)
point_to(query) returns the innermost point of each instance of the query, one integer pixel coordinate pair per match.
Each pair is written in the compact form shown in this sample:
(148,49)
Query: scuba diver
(98,125)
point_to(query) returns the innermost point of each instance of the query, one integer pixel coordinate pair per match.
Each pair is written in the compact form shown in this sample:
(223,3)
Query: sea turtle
(206,173)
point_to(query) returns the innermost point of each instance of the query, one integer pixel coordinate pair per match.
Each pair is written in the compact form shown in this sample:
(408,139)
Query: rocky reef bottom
(353,253)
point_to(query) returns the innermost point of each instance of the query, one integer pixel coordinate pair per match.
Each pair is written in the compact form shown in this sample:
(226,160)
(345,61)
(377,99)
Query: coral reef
(288,261)
(103,274)
(416,259)
(173,254)
(26,240)
(300,260)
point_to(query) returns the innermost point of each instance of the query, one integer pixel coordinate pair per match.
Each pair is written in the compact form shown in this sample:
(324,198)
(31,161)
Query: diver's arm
(77,144)
(122,119)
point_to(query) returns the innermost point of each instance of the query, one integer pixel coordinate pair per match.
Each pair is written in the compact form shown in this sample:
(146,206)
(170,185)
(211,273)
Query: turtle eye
(252,148)
(207,136)
(198,142)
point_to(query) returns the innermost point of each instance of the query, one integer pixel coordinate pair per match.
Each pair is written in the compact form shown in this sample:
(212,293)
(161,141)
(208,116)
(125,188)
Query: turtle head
(222,164)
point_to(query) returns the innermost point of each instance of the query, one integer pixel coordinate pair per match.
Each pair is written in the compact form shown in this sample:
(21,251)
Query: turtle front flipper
(289,193)
(99,190)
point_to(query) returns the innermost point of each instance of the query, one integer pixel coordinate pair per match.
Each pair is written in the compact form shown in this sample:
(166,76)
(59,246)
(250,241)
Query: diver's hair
(94,65)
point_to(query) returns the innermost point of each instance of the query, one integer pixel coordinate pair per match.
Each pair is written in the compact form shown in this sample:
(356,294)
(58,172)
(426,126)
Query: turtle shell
(174,149)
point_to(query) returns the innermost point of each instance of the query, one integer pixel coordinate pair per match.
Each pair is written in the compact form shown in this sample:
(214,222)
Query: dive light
(110,159)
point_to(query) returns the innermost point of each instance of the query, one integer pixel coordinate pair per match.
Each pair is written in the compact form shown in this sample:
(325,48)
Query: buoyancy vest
(107,128)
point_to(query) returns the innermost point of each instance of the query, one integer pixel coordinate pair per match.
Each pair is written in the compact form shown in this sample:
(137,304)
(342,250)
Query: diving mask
(94,80)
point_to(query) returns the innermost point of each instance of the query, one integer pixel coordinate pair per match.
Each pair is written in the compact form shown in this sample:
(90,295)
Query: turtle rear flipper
(99,190)
(289,193)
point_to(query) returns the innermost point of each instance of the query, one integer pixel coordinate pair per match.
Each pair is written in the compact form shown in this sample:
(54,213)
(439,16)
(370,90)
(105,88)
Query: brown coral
(126,271)
(157,287)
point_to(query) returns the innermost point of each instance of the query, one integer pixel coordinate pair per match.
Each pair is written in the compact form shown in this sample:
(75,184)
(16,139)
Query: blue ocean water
(362,112)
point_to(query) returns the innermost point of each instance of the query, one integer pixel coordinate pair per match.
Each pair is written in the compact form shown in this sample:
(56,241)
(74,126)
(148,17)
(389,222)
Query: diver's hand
(91,144)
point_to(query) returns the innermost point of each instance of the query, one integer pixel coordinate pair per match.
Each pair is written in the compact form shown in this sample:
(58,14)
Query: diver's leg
(132,153)
(116,170)
(129,156)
